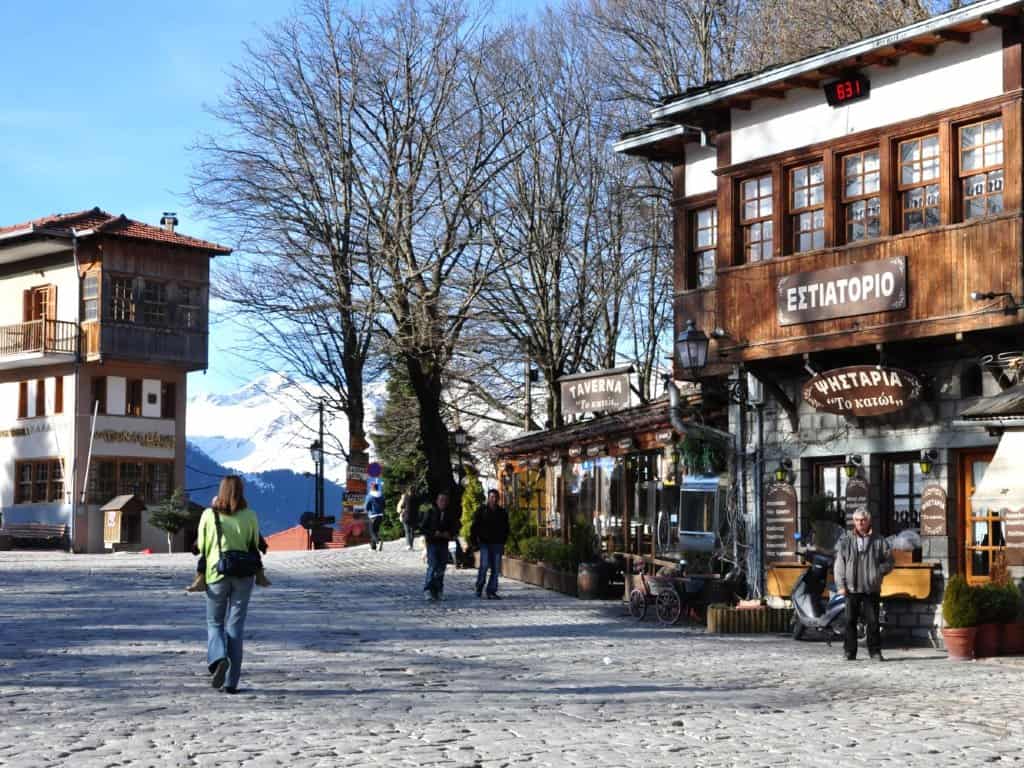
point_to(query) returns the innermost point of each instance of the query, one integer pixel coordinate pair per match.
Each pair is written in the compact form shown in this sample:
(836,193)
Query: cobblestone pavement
(101,664)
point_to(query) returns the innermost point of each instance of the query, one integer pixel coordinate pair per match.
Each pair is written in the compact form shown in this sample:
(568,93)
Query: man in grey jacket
(862,559)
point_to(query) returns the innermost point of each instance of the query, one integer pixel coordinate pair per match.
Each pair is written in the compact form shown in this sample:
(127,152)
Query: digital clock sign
(851,88)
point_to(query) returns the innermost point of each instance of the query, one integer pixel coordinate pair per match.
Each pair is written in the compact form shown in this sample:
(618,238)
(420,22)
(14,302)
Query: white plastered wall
(116,395)
(700,170)
(956,74)
(151,398)
(12,290)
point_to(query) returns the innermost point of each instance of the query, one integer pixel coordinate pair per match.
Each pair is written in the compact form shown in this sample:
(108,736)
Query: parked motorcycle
(811,611)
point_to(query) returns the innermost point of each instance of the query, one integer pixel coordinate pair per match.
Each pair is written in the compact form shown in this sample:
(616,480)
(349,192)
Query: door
(40,305)
(982,528)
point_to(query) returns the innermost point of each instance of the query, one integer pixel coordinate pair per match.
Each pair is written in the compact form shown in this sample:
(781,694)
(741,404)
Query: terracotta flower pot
(959,643)
(1013,638)
(987,640)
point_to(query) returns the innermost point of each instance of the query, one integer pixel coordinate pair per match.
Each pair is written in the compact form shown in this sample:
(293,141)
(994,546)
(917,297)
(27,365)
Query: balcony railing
(38,336)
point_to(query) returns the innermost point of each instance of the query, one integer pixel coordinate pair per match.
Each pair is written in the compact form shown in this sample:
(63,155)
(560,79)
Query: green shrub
(959,604)
(584,544)
(1009,604)
(989,600)
(472,500)
(531,548)
(520,528)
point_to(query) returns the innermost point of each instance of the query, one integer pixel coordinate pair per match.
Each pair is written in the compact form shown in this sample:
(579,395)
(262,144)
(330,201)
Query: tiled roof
(118,226)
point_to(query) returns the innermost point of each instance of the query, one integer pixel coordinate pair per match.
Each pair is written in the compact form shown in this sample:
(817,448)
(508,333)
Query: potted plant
(959,616)
(1013,630)
(989,598)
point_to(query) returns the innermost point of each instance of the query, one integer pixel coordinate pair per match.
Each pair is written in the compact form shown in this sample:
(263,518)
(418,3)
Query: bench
(43,533)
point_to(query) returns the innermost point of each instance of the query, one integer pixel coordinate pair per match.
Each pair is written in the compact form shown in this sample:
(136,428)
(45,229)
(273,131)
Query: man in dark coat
(440,526)
(488,533)
(862,560)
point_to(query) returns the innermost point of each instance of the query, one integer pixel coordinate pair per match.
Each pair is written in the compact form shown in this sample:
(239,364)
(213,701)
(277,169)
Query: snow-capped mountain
(267,425)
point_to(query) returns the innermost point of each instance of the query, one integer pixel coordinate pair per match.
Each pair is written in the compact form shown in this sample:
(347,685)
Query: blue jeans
(437,561)
(490,557)
(227,603)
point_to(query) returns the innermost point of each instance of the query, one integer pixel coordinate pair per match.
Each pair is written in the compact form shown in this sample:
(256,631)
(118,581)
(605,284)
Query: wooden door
(981,529)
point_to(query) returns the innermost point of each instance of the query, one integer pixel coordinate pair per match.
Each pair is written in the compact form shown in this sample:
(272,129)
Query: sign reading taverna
(595,391)
(853,289)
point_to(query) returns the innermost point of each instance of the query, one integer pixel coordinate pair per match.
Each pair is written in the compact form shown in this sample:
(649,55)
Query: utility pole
(320,468)
(528,379)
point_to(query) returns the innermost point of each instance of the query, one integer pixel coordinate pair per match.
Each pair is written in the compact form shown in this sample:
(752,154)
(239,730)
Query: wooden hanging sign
(862,390)
(933,510)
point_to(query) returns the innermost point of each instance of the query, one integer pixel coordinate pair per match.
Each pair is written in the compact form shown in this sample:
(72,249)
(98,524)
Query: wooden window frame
(696,253)
(58,394)
(794,211)
(922,184)
(48,473)
(746,225)
(845,202)
(962,176)
(40,398)
(145,481)
(189,312)
(154,303)
(964,517)
(91,299)
(887,507)
(122,299)
(816,471)
(22,399)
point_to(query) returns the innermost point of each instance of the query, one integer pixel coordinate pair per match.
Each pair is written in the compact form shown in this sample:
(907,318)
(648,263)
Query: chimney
(169,221)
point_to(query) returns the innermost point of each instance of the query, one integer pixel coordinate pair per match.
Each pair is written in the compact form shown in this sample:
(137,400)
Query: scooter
(812,612)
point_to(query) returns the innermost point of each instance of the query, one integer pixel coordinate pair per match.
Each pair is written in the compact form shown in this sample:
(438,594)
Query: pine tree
(472,500)
(399,448)
(171,515)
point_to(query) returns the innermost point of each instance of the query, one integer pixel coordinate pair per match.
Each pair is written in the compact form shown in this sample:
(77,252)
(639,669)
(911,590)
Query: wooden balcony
(37,342)
(129,341)
(943,266)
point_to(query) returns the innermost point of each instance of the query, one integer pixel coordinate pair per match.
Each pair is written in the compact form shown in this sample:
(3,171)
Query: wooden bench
(37,532)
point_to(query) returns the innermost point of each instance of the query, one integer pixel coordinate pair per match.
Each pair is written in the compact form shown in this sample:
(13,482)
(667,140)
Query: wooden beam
(738,103)
(802,81)
(954,36)
(1003,20)
(911,47)
(783,400)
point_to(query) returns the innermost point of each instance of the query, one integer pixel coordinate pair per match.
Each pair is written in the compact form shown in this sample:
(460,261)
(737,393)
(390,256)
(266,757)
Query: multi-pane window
(919,182)
(756,218)
(38,481)
(705,240)
(130,478)
(862,202)
(122,300)
(188,306)
(102,481)
(981,168)
(150,480)
(808,207)
(154,303)
(903,503)
(158,482)
(91,297)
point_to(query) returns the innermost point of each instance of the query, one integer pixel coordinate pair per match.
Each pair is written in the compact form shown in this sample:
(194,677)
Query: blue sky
(100,101)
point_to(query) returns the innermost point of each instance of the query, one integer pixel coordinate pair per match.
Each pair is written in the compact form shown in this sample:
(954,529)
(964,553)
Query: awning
(1002,487)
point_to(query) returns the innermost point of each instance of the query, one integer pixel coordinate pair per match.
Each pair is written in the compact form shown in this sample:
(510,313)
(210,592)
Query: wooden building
(101,319)
(858,212)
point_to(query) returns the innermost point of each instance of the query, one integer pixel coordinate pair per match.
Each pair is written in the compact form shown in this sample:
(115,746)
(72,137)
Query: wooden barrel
(591,581)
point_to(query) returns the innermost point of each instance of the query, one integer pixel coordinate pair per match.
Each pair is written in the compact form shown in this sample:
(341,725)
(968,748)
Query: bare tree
(280,179)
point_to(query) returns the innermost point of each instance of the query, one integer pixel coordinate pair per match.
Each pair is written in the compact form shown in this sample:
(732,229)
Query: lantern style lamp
(852,465)
(692,348)
(782,471)
(927,462)
(315,451)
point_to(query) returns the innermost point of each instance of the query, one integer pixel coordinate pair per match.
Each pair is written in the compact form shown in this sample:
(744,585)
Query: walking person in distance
(862,559)
(409,516)
(440,526)
(228,539)
(488,533)
(375,514)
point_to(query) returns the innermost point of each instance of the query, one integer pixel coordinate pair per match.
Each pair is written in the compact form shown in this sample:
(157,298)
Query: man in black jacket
(489,533)
(439,527)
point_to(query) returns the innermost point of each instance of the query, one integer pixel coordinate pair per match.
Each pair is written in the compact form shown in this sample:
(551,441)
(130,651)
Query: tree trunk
(170,545)
(433,431)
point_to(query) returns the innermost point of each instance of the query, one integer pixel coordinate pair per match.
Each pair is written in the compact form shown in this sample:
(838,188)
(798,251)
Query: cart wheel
(669,607)
(798,628)
(637,604)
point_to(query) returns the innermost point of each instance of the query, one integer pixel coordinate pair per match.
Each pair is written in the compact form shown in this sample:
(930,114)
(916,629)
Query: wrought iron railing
(38,336)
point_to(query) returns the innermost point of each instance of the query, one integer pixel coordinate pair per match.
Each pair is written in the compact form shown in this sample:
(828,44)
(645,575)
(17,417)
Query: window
(130,478)
(58,395)
(133,401)
(862,203)
(158,482)
(188,306)
(40,397)
(901,509)
(705,240)
(91,297)
(150,480)
(168,397)
(981,168)
(756,218)
(122,300)
(38,481)
(154,303)
(99,394)
(102,482)
(826,507)
(808,207)
(22,399)
(919,182)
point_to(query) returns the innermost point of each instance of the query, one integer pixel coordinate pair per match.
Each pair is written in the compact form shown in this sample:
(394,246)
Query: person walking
(228,539)
(409,516)
(375,513)
(488,533)
(440,526)
(862,559)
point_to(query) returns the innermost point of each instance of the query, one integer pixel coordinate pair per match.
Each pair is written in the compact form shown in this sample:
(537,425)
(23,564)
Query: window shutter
(40,397)
(26,305)
(51,302)
(58,395)
(23,400)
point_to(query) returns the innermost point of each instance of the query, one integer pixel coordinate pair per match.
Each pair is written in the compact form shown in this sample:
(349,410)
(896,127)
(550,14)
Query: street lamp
(783,470)
(316,452)
(927,462)
(460,441)
(692,348)
(852,465)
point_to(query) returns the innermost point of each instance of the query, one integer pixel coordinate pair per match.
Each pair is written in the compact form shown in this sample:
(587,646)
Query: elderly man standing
(862,560)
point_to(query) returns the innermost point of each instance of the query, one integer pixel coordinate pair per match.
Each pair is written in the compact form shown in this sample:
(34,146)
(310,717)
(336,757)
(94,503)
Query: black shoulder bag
(235,562)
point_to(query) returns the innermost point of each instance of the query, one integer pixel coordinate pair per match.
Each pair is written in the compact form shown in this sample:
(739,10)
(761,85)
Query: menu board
(780,509)
(857,496)
(1013,521)
(933,510)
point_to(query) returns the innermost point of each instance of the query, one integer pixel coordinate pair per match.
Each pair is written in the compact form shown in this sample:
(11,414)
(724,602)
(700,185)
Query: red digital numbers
(841,91)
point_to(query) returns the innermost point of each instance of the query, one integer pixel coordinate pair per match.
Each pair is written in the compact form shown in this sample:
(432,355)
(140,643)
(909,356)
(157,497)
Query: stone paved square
(102,664)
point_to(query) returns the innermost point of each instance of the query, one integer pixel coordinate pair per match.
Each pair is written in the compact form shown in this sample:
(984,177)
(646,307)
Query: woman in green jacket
(227,597)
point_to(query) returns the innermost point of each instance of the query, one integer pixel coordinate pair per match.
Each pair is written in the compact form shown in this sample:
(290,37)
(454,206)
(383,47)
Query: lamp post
(460,441)
(316,452)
